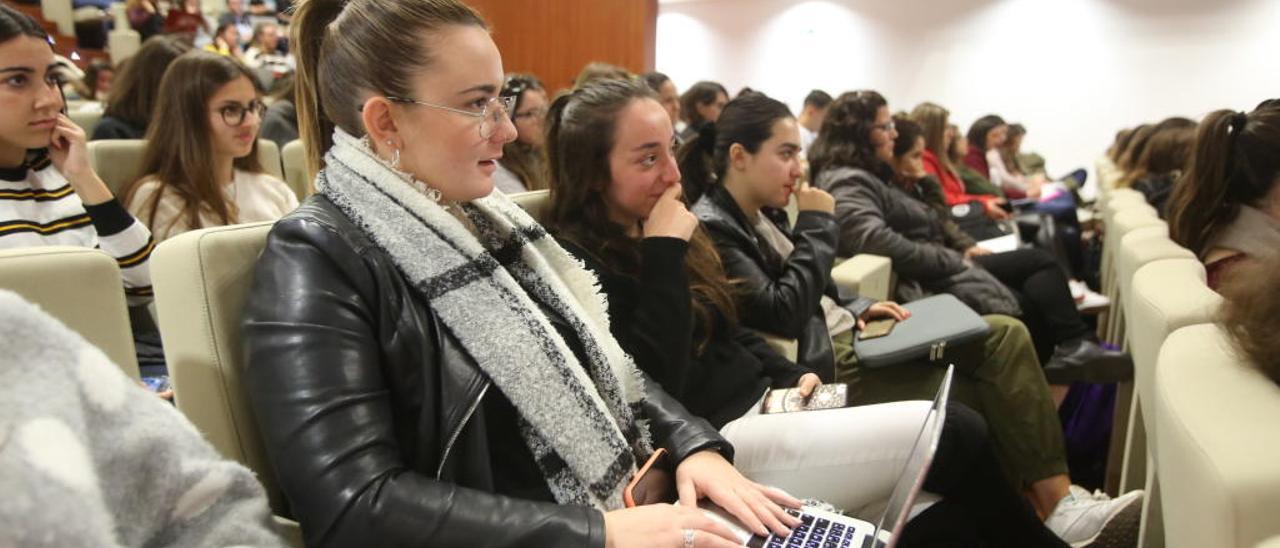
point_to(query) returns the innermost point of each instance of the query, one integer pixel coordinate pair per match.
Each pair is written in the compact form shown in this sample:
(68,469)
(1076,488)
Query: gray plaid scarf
(578,419)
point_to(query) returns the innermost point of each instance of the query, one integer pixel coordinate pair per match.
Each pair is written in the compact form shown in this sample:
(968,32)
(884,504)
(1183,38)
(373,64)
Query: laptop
(826,529)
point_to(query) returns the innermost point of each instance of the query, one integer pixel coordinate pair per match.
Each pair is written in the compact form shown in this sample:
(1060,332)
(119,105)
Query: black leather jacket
(371,411)
(777,296)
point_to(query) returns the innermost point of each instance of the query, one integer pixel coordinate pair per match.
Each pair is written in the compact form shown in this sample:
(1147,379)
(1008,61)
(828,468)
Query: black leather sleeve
(677,430)
(777,367)
(321,401)
(782,305)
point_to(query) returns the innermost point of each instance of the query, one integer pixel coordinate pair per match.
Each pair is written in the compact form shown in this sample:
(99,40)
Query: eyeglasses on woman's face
(234,114)
(490,116)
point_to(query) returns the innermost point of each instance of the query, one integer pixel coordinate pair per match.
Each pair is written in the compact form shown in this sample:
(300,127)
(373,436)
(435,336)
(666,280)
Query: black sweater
(651,315)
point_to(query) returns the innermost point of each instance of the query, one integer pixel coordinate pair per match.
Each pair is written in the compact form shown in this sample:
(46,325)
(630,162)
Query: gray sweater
(89,458)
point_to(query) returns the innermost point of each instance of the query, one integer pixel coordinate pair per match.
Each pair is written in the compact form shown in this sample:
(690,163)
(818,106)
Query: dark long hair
(14,23)
(581,128)
(747,121)
(845,137)
(981,127)
(179,153)
(528,163)
(1236,163)
(136,89)
(701,93)
(1167,152)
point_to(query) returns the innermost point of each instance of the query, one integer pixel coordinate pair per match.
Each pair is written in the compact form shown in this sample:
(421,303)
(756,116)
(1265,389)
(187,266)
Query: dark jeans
(1063,210)
(1047,307)
(980,508)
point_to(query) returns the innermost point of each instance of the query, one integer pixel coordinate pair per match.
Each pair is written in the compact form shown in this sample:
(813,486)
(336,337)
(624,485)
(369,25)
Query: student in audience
(134,94)
(1162,163)
(938,136)
(784,287)
(957,147)
(280,123)
(523,166)
(701,103)
(49,194)
(1138,166)
(600,71)
(403,404)
(226,42)
(97,80)
(853,159)
(1105,166)
(186,20)
(987,136)
(201,163)
(265,50)
(1137,144)
(1226,208)
(237,16)
(144,17)
(811,115)
(616,205)
(668,95)
(91,459)
(1251,314)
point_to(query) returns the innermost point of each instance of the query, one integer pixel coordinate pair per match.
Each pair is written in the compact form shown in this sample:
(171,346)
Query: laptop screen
(909,483)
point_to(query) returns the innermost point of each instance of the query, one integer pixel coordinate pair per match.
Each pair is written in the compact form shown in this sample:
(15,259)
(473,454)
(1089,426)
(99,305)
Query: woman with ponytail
(426,365)
(1226,208)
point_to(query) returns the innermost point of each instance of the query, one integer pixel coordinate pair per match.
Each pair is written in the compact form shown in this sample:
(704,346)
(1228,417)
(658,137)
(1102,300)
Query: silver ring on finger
(688,537)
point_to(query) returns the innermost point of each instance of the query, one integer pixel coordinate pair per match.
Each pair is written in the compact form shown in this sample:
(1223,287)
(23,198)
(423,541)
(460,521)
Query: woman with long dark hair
(1226,208)
(524,166)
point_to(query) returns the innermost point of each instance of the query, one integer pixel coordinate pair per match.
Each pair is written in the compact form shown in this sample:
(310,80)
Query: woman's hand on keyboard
(760,509)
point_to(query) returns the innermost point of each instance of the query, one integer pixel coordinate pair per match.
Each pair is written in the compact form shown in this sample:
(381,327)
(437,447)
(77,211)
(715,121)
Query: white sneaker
(1095,520)
(1087,300)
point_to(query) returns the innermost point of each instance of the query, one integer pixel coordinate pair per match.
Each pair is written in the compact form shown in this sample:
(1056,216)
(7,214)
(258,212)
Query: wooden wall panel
(553,39)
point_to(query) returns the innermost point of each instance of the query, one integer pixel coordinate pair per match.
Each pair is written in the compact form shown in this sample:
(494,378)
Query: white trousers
(850,457)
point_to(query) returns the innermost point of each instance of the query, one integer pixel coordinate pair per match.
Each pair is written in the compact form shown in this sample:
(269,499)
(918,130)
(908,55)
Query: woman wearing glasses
(201,162)
(523,166)
(427,366)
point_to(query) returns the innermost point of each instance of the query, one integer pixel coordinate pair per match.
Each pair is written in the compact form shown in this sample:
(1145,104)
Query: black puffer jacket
(377,421)
(777,296)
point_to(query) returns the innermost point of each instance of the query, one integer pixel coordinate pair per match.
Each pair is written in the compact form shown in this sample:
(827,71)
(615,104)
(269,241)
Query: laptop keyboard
(814,532)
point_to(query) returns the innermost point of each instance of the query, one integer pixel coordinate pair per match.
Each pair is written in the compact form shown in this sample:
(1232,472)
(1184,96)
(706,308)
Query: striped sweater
(38,207)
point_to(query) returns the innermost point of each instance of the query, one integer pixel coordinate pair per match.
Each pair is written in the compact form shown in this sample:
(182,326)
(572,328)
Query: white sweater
(256,196)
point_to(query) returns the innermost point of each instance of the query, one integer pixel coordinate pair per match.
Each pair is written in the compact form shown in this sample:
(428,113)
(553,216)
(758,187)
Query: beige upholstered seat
(201,281)
(1217,443)
(1138,248)
(537,203)
(86,119)
(119,161)
(80,287)
(1165,296)
(294,156)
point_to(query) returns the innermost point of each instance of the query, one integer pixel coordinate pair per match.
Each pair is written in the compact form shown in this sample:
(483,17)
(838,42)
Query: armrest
(868,275)
(789,348)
